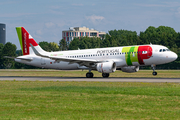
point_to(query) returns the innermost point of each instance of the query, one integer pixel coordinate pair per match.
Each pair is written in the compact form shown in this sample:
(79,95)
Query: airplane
(104,60)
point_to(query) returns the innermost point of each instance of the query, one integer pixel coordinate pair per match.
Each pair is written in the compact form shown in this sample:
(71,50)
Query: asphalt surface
(168,80)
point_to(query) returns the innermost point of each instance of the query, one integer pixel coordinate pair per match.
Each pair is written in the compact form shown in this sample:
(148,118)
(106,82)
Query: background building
(2,33)
(77,32)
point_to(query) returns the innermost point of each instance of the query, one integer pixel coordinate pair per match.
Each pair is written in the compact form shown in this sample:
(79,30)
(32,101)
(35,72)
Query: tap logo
(25,39)
(137,54)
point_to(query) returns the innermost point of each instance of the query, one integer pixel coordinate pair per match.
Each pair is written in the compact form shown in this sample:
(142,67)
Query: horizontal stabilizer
(9,57)
(21,58)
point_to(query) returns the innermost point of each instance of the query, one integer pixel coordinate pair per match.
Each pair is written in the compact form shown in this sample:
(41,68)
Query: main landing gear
(89,74)
(154,72)
(105,75)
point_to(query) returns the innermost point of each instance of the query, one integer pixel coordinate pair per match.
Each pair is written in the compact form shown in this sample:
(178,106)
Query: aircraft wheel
(154,73)
(89,75)
(105,75)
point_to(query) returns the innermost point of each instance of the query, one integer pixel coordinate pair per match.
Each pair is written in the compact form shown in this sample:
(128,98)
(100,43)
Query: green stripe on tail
(19,32)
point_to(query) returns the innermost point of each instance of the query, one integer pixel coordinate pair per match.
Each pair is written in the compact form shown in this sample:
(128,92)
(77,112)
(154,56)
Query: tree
(74,45)
(44,45)
(106,41)
(9,49)
(82,44)
(53,46)
(62,45)
(1,55)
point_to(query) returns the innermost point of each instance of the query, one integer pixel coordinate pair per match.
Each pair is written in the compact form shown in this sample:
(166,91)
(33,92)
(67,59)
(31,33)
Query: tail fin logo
(25,39)
(25,45)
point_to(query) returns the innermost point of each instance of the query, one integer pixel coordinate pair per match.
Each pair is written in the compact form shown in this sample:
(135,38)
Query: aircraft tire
(154,73)
(105,75)
(89,75)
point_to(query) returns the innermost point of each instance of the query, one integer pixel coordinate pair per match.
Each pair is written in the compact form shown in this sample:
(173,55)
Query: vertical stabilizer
(25,39)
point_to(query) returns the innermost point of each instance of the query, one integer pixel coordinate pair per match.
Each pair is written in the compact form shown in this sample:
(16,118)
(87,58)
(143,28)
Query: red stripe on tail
(26,40)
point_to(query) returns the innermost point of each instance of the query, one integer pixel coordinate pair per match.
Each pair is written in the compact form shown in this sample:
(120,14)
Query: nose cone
(173,56)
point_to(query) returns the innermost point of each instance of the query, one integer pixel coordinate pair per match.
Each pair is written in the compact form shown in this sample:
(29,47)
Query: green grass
(79,73)
(88,100)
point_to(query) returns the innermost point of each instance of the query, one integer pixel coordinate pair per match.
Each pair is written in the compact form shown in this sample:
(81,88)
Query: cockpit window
(163,50)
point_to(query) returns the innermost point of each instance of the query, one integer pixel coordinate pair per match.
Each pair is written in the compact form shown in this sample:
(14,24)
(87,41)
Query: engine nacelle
(106,67)
(130,69)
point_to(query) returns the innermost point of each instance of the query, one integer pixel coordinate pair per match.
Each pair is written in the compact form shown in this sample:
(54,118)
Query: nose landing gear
(154,72)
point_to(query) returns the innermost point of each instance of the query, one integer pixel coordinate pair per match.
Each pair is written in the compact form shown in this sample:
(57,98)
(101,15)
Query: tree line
(162,35)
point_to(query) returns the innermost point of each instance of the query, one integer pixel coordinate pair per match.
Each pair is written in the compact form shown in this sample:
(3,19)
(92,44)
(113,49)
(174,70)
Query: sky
(46,19)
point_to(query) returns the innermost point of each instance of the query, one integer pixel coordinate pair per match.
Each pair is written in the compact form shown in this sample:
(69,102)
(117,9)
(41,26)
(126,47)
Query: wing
(81,62)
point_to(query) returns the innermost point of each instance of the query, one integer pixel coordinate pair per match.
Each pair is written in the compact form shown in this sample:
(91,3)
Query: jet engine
(106,67)
(130,69)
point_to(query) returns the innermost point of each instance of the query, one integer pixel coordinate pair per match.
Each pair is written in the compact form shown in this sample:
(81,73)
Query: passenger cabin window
(144,52)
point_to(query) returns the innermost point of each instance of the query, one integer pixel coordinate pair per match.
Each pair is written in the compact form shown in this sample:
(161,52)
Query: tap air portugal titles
(104,60)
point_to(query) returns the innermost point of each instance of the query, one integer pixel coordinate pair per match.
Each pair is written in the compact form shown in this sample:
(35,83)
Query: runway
(78,79)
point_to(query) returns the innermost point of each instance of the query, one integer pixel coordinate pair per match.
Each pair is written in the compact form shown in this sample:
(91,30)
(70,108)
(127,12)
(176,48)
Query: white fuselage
(104,54)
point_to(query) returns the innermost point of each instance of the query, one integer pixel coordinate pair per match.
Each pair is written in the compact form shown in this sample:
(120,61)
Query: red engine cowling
(130,69)
(106,67)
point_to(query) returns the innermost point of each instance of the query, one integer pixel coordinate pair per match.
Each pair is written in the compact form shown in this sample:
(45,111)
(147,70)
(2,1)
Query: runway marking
(78,79)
